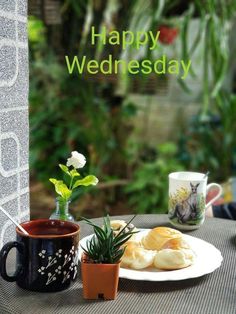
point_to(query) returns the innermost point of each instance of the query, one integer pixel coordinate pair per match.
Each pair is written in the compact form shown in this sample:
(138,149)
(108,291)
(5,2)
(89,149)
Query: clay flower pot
(100,281)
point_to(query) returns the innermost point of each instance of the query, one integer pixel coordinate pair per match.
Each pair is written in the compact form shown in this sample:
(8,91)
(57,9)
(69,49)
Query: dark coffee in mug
(47,258)
(49,231)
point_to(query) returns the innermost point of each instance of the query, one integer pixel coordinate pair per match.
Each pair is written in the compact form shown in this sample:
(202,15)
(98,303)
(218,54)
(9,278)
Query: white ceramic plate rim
(208,258)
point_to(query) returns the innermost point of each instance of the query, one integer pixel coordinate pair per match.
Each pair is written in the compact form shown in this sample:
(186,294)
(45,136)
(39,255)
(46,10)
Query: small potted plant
(72,180)
(100,262)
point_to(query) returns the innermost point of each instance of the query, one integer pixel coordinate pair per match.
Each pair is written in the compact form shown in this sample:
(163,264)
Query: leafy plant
(215,24)
(74,112)
(72,180)
(148,190)
(69,113)
(209,143)
(105,247)
(36,30)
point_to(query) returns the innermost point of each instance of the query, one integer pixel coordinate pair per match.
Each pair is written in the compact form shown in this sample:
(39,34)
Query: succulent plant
(106,247)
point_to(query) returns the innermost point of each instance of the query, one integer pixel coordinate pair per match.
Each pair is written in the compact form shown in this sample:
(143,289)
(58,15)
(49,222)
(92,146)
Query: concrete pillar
(14,130)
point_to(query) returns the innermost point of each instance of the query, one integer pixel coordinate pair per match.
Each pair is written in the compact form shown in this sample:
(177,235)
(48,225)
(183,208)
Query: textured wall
(14,195)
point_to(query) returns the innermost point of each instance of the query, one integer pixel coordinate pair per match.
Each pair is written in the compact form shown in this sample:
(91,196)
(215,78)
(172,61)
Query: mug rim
(48,236)
(173,174)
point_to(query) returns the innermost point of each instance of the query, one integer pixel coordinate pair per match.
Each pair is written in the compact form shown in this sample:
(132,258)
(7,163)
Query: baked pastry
(136,257)
(176,244)
(118,225)
(168,259)
(157,237)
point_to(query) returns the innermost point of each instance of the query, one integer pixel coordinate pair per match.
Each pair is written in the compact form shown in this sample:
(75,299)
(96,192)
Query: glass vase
(62,210)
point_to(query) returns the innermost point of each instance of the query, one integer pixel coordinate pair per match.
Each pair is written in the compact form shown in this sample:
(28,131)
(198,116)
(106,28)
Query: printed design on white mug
(62,261)
(187,205)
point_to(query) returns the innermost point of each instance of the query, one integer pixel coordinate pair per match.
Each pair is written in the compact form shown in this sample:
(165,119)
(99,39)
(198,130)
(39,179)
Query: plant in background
(148,189)
(216,19)
(209,143)
(76,108)
(65,188)
(36,31)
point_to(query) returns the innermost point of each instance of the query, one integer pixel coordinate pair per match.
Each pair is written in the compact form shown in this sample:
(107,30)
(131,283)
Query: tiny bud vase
(62,210)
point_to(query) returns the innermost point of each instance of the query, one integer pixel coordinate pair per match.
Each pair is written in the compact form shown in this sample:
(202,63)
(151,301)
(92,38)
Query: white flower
(76,160)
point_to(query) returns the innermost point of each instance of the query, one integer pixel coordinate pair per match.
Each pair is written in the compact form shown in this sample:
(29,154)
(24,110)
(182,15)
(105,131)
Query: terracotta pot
(100,281)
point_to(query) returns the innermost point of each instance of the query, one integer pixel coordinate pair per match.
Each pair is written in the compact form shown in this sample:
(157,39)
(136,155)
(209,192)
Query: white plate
(208,258)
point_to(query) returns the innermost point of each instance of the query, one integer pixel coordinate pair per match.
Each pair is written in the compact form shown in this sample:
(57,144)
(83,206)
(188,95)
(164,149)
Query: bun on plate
(118,225)
(176,244)
(157,237)
(136,257)
(168,259)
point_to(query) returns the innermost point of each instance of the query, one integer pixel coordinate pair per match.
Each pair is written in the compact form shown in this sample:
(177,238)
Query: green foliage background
(74,113)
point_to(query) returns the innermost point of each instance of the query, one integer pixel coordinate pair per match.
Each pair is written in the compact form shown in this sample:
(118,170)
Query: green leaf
(54,181)
(123,240)
(99,233)
(36,30)
(88,180)
(117,257)
(61,188)
(64,168)
(129,222)
(106,225)
(74,173)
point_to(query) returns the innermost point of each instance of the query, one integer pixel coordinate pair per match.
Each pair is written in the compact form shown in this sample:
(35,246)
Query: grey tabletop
(213,293)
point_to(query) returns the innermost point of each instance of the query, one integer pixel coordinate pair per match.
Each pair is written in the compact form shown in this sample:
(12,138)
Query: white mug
(187,199)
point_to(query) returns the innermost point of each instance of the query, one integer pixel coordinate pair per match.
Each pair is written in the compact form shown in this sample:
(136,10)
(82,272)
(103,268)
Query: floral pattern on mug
(66,265)
(42,253)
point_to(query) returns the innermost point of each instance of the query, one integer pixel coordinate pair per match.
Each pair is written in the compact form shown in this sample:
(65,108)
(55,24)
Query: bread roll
(168,259)
(117,225)
(157,237)
(176,244)
(136,257)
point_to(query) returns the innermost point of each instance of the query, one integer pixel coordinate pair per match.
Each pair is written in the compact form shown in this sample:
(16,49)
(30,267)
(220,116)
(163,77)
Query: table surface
(213,293)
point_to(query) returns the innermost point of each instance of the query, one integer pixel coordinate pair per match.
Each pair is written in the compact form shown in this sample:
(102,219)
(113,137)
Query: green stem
(62,203)
(71,181)
(205,71)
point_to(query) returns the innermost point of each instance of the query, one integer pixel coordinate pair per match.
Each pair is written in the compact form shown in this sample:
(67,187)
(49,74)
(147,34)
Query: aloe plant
(105,247)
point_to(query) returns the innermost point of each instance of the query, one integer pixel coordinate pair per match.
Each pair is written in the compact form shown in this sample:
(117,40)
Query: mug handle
(209,186)
(3,258)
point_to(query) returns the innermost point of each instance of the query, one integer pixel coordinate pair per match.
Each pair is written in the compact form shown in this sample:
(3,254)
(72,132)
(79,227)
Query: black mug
(47,258)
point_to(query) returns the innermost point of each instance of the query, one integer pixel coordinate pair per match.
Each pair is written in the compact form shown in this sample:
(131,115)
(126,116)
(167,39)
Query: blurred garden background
(133,129)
